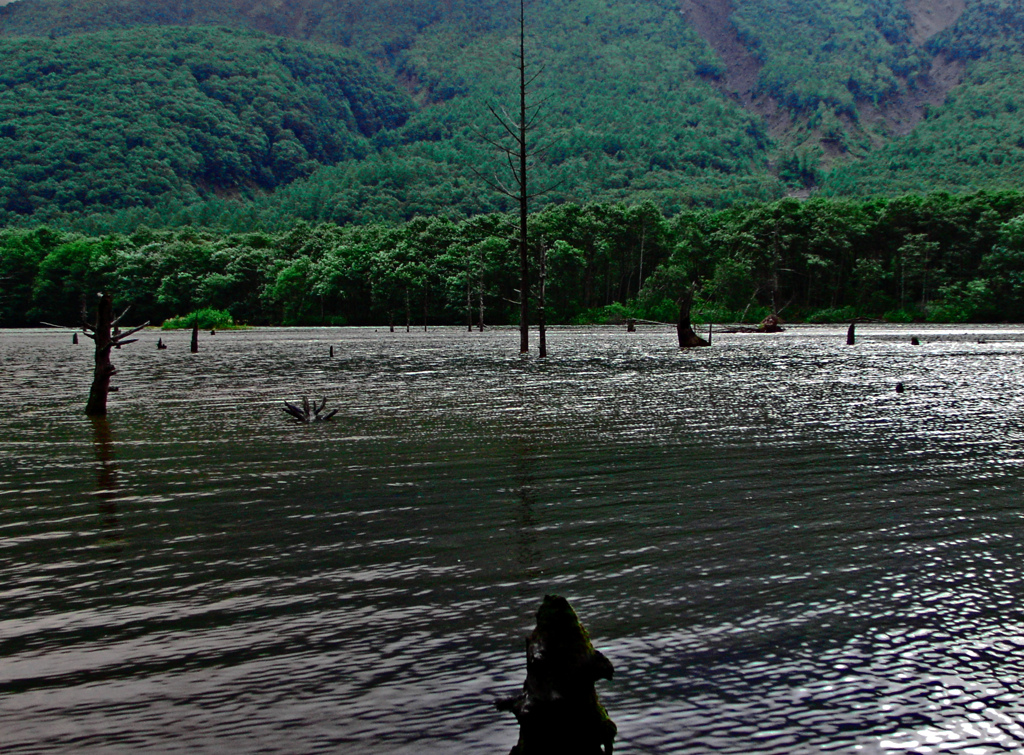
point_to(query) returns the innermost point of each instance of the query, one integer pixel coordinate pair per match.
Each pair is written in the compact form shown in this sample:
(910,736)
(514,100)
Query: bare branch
(496,186)
(118,319)
(535,76)
(497,145)
(119,338)
(501,122)
(545,190)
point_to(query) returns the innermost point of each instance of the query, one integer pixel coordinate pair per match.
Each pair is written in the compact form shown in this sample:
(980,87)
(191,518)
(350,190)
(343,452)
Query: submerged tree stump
(309,412)
(851,336)
(558,710)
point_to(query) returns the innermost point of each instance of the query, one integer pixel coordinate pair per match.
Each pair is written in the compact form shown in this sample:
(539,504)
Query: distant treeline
(937,257)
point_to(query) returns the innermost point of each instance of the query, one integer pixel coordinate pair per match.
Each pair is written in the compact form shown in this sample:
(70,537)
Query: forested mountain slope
(681,102)
(120,119)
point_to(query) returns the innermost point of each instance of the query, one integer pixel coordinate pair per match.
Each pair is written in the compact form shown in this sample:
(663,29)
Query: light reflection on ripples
(778,552)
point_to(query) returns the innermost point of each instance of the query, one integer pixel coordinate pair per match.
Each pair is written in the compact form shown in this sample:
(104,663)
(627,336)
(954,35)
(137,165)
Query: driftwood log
(558,710)
(770,324)
(309,412)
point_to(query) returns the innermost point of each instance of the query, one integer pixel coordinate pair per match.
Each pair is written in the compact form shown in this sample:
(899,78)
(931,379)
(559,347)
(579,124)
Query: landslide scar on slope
(928,18)
(900,114)
(711,20)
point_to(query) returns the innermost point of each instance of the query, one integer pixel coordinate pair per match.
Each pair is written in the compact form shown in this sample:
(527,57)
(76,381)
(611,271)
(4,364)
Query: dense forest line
(938,257)
(634,107)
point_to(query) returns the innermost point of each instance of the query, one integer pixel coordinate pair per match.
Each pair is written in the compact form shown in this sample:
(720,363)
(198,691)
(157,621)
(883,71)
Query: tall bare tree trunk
(524,264)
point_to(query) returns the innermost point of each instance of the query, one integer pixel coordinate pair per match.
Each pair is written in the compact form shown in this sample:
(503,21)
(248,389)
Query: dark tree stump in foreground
(194,346)
(558,710)
(687,338)
(850,335)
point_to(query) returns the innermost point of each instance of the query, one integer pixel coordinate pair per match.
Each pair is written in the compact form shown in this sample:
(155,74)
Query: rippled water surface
(777,551)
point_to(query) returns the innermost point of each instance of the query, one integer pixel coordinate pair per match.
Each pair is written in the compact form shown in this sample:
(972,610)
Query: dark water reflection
(777,551)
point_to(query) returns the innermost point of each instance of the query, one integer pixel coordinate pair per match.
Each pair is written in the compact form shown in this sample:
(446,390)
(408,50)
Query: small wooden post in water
(558,710)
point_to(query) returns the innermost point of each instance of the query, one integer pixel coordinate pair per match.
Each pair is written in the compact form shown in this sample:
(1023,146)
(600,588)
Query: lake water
(777,551)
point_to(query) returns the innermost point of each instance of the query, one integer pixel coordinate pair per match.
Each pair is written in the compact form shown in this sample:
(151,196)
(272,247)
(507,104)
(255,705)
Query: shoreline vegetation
(928,258)
(206,318)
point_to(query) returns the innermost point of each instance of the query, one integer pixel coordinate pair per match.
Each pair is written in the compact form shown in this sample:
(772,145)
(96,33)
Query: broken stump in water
(851,336)
(687,338)
(558,710)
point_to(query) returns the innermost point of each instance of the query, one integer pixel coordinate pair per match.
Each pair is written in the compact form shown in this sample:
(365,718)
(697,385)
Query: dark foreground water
(777,551)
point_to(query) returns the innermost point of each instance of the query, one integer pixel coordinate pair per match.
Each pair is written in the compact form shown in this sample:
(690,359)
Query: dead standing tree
(515,145)
(104,332)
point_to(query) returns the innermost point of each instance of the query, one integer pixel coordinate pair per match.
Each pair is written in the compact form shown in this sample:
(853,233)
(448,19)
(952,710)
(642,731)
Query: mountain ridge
(680,102)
